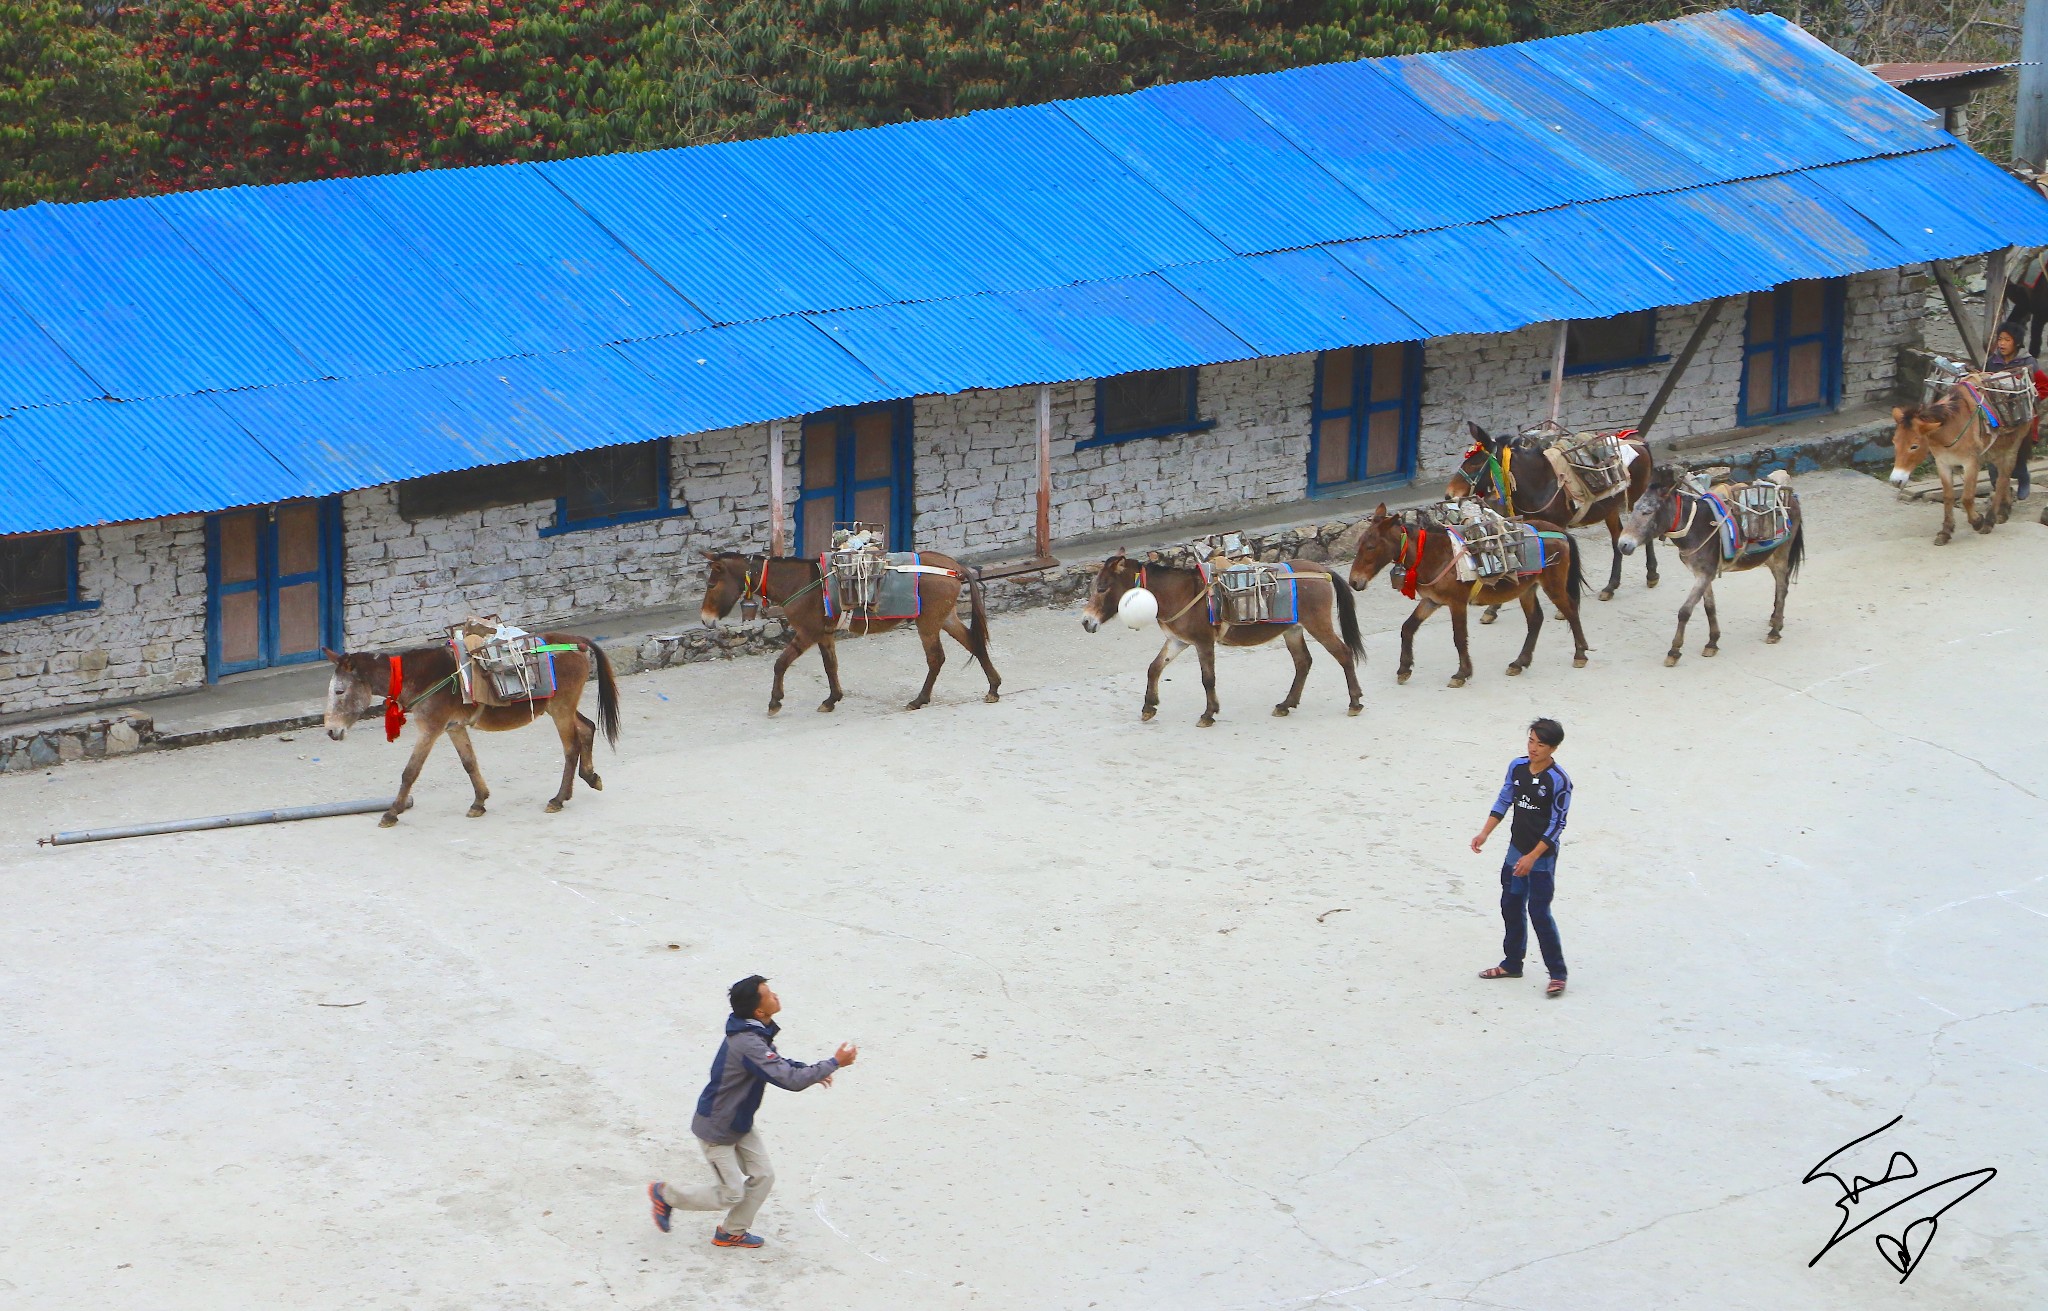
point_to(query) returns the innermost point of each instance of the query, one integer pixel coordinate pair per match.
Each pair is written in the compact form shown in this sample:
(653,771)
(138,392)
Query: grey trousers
(741,1178)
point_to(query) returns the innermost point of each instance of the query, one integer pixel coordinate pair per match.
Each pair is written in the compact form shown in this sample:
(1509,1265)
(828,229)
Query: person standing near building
(1540,793)
(745,1065)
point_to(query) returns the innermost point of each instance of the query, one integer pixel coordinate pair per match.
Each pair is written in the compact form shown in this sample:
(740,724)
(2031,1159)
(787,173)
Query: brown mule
(1388,539)
(1538,494)
(430,695)
(1952,432)
(795,584)
(1327,612)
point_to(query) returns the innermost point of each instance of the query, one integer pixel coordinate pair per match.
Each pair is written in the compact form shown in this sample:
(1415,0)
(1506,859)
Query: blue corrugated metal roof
(1273,214)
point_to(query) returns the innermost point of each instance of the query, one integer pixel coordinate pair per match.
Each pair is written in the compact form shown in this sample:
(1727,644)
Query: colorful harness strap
(1410,573)
(394,708)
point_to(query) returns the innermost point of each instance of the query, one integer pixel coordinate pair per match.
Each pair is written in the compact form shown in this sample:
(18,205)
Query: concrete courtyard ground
(1150,1016)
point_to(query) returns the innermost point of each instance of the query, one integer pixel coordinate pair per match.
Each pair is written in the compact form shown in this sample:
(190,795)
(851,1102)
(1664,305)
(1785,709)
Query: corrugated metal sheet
(734,250)
(317,261)
(123,296)
(1194,224)
(527,259)
(1293,301)
(36,370)
(1234,172)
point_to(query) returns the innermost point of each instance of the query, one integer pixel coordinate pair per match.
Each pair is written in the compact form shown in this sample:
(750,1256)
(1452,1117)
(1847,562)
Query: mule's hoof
(554,806)
(593,782)
(1513,670)
(1578,662)
(917,705)
(1651,581)
(992,698)
(1771,638)
(1670,659)
(1941,538)
(775,708)
(1206,721)
(387,821)
(476,812)
(1607,594)
(1710,650)
(1401,677)
(1459,681)
(1280,712)
(1488,617)
(1355,711)
(1147,713)
(825,707)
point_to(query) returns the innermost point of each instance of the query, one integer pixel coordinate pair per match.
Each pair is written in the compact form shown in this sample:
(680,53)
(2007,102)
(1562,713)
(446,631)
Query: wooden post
(1994,295)
(1564,332)
(775,506)
(1044,472)
(1678,366)
(1956,311)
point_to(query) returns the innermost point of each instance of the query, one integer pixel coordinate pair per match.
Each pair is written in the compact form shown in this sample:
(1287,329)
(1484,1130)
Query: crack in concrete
(1892,730)
(1278,1205)
(1934,1040)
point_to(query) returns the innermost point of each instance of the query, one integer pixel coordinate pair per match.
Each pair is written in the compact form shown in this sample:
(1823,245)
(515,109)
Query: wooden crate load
(858,559)
(1248,590)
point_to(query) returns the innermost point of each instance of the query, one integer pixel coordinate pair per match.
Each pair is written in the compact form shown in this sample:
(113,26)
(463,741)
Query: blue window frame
(856,466)
(1792,352)
(1367,416)
(39,576)
(614,485)
(1625,341)
(1149,403)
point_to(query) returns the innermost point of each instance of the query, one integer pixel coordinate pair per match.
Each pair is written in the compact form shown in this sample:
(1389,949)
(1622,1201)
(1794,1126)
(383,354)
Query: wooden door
(1792,351)
(273,586)
(856,467)
(1368,414)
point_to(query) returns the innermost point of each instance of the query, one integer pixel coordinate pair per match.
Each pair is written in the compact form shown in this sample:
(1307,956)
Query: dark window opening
(444,495)
(1616,343)
(38,574)
(1151,403)
(614,481)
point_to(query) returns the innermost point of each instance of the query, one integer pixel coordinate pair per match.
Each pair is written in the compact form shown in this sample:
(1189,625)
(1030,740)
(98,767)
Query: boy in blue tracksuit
(1540,793)
(745,1065)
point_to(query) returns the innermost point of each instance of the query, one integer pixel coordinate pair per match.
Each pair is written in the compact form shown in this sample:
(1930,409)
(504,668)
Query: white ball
(1138,607)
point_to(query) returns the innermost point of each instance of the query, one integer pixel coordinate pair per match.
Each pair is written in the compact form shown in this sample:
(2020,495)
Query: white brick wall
(975,480)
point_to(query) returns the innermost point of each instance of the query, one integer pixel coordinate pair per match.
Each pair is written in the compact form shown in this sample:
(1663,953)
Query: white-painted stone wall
(975,481)
(977,458)
(147,637)
(403,579)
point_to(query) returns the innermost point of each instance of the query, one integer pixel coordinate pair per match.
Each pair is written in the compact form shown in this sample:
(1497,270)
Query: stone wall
(403,579)
(976,471)
(147,637)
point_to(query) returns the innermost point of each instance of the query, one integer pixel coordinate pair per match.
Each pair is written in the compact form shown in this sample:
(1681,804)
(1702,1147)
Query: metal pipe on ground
(278,816)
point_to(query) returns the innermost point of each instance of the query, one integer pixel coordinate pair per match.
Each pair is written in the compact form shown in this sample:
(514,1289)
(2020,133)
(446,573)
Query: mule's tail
(1798,548)
(977,612)
(1576,577)
(607,694)
(1347,616)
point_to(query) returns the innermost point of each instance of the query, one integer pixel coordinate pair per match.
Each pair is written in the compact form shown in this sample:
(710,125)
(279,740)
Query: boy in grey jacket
(745,1065)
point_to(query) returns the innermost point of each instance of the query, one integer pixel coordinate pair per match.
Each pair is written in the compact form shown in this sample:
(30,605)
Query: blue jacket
(1540,802)
(747,1062)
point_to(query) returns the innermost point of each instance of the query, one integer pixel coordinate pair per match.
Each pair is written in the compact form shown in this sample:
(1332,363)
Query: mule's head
(1474,476)
(350,691)
(1914,429)
(1652,510)
(722,591)
(1118,574)
(1377,547)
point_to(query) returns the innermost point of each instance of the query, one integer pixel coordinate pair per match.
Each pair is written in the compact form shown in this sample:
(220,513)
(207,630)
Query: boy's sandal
(1496,972)
(659,1205)
(1556,988)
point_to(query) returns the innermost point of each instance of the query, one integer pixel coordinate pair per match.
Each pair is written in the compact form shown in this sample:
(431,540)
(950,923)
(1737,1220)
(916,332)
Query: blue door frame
(843,490)
(1341,414)
(1771,346)
(268,585)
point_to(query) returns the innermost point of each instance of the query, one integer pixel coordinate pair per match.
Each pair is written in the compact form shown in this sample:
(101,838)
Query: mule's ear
(709,554)
(1153,557)
(1479,433)
(1898,414)
(333,657)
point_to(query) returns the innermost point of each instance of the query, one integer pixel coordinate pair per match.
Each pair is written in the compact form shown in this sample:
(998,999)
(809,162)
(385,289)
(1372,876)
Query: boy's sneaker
(720,1238)
(660,1205)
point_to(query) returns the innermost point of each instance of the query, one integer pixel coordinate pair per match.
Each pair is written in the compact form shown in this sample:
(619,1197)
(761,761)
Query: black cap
(746,995)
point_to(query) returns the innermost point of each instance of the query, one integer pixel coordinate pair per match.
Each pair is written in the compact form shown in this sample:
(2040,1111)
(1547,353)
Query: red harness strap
(394,707)
(1409,573)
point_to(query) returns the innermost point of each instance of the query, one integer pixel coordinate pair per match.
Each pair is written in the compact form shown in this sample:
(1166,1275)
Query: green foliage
(70,90)
(276,90)
(716,69)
